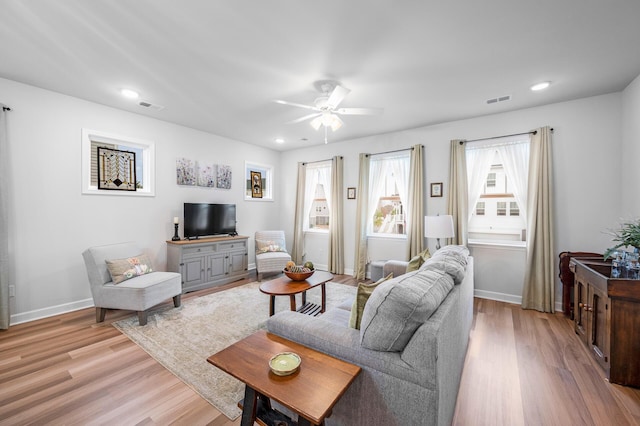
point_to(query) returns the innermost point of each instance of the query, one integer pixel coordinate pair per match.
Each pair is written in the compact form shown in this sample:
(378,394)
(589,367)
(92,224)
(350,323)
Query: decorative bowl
(298,276)
(284,363)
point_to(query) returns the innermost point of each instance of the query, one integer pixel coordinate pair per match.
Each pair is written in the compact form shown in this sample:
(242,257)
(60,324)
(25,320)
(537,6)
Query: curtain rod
(391,152)
(318,161)
(532,132)
(5,108)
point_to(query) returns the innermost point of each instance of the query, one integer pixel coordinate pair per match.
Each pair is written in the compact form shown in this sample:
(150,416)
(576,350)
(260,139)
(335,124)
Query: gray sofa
(400,384)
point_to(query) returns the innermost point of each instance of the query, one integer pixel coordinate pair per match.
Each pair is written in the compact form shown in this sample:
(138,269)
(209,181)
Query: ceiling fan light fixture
(316,122)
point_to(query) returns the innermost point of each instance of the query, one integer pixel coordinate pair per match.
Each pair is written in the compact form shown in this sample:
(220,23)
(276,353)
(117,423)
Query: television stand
(208,262)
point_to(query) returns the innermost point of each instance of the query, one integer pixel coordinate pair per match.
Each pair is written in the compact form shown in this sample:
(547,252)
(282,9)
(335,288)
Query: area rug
(182,339)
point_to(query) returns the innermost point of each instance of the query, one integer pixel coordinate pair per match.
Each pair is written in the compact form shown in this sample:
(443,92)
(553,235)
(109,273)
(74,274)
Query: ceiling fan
(326,112)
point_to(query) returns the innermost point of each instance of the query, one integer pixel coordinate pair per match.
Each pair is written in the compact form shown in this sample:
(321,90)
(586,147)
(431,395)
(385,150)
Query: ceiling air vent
(499,99)
(149,105)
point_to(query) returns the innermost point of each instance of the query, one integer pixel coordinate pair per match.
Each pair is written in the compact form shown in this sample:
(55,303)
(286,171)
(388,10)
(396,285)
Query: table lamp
(438,227)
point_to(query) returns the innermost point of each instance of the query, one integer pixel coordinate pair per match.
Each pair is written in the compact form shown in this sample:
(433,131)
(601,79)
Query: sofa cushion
(398,307)
(124,269)
(450,259)
(418,260)
(362,295)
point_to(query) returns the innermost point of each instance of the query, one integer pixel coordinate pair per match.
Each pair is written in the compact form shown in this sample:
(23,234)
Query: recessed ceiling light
(540,86)
(128,93)
(279,140)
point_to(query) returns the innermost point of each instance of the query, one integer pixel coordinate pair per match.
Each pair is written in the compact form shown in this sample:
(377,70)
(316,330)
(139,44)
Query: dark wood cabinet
(607,319)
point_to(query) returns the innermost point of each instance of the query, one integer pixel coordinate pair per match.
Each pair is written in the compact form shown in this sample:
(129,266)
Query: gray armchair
(271,252)
(136,294)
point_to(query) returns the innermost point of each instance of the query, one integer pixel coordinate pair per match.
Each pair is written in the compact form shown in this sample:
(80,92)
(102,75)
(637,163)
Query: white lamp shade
(438,226)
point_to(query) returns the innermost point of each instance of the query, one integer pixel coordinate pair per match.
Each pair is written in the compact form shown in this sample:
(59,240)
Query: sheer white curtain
(4,220)
(377,171)
(479,161)
(515,159)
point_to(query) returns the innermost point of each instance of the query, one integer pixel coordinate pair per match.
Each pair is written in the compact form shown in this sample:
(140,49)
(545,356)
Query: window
(497,173)
(502,208)
(491,180)
(388,177)
(317,196)
(144,162)
(514,210)
(264,174)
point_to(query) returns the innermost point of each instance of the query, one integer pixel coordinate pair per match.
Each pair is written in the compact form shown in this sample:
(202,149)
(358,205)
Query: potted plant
(627,235)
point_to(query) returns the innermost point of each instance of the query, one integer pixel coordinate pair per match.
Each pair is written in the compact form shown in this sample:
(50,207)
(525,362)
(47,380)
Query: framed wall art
(436,189)
(256,184)
(116,169)
(351,193)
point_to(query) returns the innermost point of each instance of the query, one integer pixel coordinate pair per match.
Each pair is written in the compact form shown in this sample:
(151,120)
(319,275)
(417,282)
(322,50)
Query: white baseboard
(500,297)
(507,298)
(50,311)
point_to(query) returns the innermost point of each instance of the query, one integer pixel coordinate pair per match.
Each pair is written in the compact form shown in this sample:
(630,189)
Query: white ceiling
(218,65)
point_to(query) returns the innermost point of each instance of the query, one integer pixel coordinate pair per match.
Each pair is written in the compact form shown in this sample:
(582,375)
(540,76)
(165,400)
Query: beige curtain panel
(458,193)
(415,207)
(336,220)
(4,220)
(539,284)
(297,248)
(360,263)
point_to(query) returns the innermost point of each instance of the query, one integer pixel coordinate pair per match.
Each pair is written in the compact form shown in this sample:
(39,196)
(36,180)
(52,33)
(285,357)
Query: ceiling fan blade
(278,101)
(359,111)
(338,94)
(306,117)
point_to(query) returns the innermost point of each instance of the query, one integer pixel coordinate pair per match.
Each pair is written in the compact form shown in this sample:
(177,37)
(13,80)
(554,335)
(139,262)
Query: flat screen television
(207,220)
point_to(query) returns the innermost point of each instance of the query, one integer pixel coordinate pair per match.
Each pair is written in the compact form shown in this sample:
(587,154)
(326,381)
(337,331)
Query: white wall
(586,142)
(51,222)
(630,151)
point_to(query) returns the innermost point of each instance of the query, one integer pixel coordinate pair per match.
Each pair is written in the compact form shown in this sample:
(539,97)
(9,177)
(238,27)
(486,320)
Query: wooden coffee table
(311,392)
(283,286)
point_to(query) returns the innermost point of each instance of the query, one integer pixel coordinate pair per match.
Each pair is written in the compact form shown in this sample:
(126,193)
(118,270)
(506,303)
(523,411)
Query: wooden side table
(283,286)
(311,392)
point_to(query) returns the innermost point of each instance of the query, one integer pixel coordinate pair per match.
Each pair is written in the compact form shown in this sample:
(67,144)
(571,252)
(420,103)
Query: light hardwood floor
(522,368)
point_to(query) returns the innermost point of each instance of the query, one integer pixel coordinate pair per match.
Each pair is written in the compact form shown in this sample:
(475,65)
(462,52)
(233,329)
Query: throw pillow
(266,246)
(399,306)
(418,260)
(124,269)
(362,295)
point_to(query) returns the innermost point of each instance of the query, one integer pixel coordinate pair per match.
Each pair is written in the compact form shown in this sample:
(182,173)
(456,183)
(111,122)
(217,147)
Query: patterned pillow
(362,295)
(266,246)
(131,267)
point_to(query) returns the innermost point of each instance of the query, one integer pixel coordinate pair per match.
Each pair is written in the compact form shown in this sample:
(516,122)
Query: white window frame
(370,232)
(148,162)
(267,174)
(307,224)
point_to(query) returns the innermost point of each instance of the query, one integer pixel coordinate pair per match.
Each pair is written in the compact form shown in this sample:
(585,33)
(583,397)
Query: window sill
(497,243)
(387,236)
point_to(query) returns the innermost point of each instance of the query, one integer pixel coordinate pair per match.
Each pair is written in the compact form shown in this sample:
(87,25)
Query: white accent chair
(270,261)
(136,294)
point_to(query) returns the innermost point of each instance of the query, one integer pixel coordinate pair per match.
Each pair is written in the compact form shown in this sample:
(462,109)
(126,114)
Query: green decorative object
(627,235)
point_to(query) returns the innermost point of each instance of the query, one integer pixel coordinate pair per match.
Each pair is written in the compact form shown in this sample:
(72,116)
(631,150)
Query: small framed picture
(256,184)
(351,193)
(436,189)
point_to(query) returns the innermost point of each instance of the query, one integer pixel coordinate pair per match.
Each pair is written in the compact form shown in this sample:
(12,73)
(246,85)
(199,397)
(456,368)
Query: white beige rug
(182,339)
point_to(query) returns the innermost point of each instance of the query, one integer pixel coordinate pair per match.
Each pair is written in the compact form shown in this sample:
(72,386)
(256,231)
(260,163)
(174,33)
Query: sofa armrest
(344,343)
(398,267)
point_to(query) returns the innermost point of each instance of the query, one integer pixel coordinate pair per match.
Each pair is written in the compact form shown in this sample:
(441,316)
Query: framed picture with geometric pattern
(116,169)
